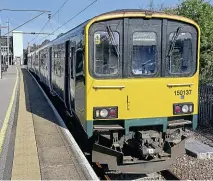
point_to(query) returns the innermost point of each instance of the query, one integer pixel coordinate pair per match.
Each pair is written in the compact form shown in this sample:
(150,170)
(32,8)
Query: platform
(7,84)
(42,148)
(9,87)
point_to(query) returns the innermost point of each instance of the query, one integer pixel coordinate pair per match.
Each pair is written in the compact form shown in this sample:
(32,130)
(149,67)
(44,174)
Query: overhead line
(24,23)
(71,18)
(24,10)
(76,15)
(49,20)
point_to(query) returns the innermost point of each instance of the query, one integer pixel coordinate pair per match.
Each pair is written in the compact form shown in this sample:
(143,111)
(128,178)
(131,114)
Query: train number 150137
(183,92)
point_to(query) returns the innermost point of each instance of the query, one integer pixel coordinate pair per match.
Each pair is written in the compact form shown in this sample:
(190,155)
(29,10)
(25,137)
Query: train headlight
(105,112)
(183,108)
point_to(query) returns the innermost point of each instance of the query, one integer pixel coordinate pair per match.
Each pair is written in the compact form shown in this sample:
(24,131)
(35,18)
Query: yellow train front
(141,91)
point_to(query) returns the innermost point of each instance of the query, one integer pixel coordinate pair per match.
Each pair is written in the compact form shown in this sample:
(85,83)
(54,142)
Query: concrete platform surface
(9,91)
(6,88)
(198,149)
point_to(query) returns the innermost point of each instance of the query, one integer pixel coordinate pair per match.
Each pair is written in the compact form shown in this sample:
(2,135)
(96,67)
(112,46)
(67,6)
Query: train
(130,77)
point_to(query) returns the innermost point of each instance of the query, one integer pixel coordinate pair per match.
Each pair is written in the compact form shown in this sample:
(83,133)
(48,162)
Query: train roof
(117,11)
(123,11)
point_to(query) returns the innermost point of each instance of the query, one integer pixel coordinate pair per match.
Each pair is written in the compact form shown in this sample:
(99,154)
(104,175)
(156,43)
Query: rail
(169,175)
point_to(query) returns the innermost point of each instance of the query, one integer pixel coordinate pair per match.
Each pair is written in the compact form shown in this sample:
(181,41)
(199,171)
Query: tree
(202,13)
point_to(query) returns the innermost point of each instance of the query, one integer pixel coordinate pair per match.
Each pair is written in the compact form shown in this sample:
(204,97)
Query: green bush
(202,13)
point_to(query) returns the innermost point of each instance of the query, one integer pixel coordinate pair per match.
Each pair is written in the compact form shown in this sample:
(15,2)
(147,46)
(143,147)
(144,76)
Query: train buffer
(34,144)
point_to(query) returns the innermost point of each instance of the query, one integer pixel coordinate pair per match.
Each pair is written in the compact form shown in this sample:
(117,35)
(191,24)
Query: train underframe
(145,149)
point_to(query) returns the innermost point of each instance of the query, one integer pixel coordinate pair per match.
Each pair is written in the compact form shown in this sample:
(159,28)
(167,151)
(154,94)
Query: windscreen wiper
(111,35)
(144,64)
(174,39)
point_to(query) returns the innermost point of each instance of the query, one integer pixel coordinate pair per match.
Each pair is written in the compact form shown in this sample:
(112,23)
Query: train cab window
(144,53)
(181,56)
(106,58)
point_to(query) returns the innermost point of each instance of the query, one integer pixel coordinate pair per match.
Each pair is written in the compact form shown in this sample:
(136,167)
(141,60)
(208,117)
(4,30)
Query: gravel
(187,167)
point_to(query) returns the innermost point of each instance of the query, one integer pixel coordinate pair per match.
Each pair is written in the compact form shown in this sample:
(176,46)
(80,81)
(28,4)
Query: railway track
(99,170)
(168,175)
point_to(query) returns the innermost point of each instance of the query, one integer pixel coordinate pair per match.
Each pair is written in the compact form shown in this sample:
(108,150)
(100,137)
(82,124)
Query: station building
(15,48)
(4,49)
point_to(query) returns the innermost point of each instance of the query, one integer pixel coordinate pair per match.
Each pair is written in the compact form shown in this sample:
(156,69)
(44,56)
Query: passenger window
(43,57)
(144,53)
(36,60)
(106,59)
(181,59)
(58,54)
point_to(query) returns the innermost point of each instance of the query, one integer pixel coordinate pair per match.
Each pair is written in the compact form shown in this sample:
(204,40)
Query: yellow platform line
(7,116)
(26,162)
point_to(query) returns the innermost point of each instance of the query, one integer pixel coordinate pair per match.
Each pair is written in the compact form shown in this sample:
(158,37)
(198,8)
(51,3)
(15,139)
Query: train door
(72,76)
(39,66)
(50,68)
(40,71)
(144,39)
(67,76)
(31,62)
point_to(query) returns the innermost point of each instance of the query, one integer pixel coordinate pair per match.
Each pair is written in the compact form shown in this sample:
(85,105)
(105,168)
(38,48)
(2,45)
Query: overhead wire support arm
(45,11)
(71,18)
(3,26)
(24,23)
(35,33)
(49,18)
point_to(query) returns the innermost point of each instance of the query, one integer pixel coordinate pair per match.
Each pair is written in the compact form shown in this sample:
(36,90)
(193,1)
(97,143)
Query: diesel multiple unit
(131,79)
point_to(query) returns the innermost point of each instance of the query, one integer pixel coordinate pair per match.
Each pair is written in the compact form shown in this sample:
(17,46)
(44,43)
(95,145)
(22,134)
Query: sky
(70,9)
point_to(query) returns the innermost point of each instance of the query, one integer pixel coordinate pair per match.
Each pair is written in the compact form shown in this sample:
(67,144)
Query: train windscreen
(136,47)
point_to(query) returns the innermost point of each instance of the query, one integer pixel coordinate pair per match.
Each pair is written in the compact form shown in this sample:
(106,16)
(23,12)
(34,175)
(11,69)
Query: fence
(205,105)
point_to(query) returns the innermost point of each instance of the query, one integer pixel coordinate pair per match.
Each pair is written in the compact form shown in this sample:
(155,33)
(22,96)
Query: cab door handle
(127,103)
(180,85)
(108,87)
